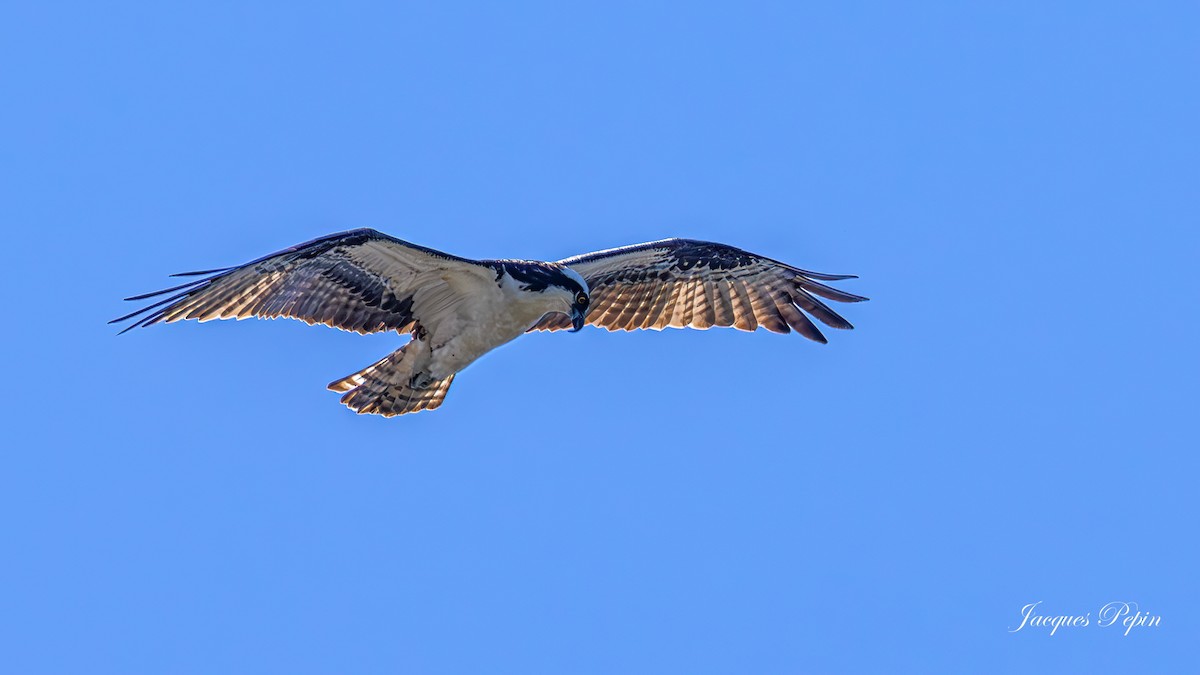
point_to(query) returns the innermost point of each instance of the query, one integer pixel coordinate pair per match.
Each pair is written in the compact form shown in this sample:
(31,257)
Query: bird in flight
(456,309)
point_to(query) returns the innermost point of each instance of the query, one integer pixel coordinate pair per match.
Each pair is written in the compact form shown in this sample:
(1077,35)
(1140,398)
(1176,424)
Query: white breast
(483,320)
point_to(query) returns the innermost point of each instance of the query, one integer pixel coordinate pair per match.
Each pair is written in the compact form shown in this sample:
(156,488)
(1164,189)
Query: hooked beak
(577,317)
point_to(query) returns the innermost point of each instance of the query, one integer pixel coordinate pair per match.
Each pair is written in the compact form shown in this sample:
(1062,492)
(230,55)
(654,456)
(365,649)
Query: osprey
(457,310)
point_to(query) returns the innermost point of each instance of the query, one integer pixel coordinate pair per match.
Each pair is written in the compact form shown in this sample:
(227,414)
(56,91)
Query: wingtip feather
(202,272)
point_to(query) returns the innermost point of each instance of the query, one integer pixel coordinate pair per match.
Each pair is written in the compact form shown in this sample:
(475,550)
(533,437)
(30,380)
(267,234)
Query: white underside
(464,319)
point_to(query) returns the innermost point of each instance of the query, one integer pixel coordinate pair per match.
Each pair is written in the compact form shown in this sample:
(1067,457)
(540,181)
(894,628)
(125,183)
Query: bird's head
(563,286)
(575,291)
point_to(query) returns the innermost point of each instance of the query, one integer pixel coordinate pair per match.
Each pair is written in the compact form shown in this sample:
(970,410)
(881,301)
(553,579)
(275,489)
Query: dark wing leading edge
(362,281)
(682,283)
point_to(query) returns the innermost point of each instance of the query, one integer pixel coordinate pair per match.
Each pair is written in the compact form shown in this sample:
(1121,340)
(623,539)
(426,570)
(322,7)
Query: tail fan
(384,388)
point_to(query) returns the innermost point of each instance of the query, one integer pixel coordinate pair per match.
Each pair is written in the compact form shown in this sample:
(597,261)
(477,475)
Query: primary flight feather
(457,309)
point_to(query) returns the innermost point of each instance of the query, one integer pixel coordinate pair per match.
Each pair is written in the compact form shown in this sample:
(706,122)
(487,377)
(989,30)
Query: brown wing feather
(361,281)
(723,311)
(686,283)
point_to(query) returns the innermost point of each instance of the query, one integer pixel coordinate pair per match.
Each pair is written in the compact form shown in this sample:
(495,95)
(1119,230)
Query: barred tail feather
(385,388)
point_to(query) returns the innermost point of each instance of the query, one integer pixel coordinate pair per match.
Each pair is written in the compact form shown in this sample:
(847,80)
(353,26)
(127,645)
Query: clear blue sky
(1012,420)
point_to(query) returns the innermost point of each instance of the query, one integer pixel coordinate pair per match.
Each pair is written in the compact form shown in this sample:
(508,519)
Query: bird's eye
(581,299)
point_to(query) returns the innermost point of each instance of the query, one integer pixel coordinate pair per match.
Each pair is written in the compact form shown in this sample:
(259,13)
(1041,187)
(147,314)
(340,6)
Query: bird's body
(457,309)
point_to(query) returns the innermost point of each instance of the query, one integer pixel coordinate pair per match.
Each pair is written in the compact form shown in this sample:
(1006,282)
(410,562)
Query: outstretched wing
(682,283)
(362,281)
